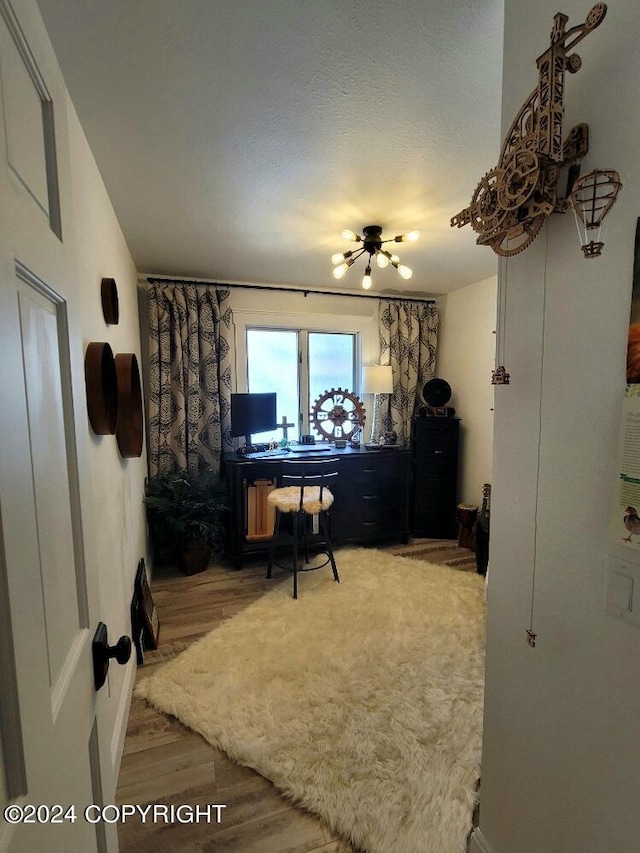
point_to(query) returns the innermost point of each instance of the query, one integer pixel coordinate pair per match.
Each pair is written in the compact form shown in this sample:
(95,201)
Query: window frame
(302,340)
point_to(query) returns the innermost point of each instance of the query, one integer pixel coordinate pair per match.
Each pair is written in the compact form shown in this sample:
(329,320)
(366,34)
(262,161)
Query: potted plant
(185,514)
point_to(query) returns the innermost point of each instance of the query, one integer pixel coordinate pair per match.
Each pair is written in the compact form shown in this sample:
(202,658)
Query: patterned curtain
(408,341)
(190,329)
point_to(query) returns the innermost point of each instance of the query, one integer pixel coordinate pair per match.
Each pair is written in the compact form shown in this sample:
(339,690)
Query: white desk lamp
(377,379)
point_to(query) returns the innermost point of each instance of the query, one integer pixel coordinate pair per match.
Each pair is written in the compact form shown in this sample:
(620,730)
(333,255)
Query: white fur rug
(361,701)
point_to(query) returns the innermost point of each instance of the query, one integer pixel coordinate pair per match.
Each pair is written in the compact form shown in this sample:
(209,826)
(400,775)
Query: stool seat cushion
(287,499)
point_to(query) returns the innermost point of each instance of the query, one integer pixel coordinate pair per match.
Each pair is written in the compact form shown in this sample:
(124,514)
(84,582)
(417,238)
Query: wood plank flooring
(166,763)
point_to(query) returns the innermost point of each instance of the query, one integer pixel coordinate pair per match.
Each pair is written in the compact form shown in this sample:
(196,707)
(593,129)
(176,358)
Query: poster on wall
(625,522)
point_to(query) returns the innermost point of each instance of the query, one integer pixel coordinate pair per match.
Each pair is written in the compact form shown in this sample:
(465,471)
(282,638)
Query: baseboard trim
(479,843)
(122,717)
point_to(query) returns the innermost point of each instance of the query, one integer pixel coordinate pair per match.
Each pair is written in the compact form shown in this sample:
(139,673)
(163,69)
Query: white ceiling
(238,139)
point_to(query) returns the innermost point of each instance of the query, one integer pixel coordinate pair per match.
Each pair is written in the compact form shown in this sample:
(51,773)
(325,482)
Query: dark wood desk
(371,497)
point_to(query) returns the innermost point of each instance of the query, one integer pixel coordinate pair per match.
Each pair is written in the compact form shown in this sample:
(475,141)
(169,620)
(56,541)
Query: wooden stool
(467,514)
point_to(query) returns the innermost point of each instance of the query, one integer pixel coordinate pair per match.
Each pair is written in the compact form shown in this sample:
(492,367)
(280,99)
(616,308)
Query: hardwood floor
(168,764)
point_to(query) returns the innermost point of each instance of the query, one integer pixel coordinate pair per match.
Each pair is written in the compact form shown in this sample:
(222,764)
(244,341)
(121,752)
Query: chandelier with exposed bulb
(372,244)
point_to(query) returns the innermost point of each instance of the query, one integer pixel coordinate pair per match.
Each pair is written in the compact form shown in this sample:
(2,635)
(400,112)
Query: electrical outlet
(622,589)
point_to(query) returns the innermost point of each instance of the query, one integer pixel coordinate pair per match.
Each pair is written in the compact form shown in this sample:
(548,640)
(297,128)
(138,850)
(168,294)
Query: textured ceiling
(238,139)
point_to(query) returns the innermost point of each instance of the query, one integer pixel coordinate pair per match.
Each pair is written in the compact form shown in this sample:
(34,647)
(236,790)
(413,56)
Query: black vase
(195,557)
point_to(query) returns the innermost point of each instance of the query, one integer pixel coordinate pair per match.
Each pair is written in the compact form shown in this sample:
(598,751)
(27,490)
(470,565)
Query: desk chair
(304,495)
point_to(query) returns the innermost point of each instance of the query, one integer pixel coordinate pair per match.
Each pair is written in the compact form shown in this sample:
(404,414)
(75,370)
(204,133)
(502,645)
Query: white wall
(112,504)
(561,764)
(92,246)
(465,359)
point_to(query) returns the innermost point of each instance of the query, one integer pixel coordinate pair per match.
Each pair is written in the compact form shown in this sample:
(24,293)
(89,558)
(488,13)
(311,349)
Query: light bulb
(410,237)
(351,235)
(382,259)
(366,279)
(405,272)
(340,256)
(338,272)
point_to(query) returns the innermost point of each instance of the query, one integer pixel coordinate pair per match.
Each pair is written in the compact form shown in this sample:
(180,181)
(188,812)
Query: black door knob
(121,651)
(103,652)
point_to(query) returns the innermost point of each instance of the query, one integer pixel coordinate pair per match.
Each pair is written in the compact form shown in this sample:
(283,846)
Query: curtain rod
(305,290)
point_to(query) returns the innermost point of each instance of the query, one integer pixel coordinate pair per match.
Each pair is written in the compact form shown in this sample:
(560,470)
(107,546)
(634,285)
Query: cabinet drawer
(435,528)
(376,471)
(363,531)
(436,462)
(438,521)
(436,436)
(435,485)
(423,427)
(376,507)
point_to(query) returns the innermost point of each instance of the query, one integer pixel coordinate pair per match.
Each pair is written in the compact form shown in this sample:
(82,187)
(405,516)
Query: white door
(53,720)
(49,755)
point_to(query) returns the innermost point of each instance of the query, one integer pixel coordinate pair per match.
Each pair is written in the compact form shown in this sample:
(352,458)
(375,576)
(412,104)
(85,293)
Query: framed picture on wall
(147,613)
(137,629)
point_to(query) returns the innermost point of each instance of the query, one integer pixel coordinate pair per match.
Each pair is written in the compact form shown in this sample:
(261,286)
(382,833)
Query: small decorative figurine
(500,376)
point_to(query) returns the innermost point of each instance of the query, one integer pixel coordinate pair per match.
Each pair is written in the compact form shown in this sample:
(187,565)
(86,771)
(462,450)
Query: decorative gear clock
(338,414)
(511,202)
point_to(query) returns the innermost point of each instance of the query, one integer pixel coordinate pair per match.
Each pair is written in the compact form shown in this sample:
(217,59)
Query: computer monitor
(251,414)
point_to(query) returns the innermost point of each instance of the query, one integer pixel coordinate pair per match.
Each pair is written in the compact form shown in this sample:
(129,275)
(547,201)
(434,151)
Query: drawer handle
(370,497)
(438,453)
(370,470)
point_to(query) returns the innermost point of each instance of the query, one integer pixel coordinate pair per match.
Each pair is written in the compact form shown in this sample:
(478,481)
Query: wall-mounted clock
(511,202)
(337,414)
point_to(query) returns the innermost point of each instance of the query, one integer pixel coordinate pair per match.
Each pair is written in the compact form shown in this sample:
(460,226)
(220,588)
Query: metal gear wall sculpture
(511,202)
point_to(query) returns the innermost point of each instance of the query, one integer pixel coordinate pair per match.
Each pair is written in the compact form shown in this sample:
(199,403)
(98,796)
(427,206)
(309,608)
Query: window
(299,365)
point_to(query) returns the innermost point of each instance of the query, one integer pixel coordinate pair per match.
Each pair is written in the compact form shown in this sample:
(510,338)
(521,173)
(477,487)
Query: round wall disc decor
(109,298)
(129,429)
(102,388)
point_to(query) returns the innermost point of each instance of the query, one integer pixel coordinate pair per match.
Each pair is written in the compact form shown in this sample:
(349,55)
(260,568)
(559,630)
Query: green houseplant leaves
(185,515)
